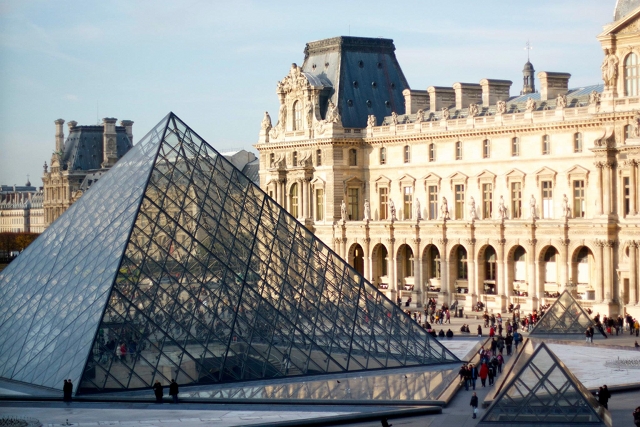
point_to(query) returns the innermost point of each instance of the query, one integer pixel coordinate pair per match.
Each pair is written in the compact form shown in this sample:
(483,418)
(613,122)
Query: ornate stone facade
(520,197)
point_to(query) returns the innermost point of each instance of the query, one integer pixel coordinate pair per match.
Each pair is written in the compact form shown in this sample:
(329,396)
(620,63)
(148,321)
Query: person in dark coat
(67,390)
(158,391)
(474,404)
(636,417)
(173,390)
(479,330)
(474,375)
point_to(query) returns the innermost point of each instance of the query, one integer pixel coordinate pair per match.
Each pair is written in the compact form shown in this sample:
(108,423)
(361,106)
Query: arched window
(297,115)
(459,150)
(515,147)
(577,142)
(293,200)
(461,255)
(383,156)
(432,152)
(631,75)
(407,154)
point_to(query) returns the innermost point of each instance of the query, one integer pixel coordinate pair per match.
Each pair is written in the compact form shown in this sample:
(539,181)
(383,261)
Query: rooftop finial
(528,48)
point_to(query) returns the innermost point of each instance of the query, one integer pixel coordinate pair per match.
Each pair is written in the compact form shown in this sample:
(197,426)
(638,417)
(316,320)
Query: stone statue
(609,69)
(333,115)
(392,210)
(594,98)
(367,210)
(266,122)
(444,209)
(394,118)
(561,100)
(420,116)
(309,114)
(566,211)
(531,105)
(46,168)
(532,207)
(502,210)
(343,210)
(371,121)
(473,215)
(636,119)
(418,210)
(473,110)
(445,113)
(282,117)
(501,107)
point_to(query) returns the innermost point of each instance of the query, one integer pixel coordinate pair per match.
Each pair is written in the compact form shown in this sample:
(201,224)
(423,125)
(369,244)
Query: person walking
(484,372)
(67,390)
(158,391)
(508,341)
(603,397)
(474,404)
(173,390)
(463,373)
(473,370)
(479,330)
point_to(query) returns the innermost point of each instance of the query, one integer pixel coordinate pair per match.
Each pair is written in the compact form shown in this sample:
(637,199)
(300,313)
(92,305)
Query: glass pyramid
(565,316)
(545,392)
(175,265)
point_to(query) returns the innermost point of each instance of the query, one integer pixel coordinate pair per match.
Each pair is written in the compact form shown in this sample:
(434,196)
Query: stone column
(633,272)
(609,290)
(302,211)
(564,265)
(345,254)
(606,189)
(599,270)
(601,189)
(532,265)
(417,270)
(444,267)
(368,273)
(393,283)
(473,275)
(501,278)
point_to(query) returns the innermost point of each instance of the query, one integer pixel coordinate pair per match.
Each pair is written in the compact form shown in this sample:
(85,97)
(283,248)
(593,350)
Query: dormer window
(631,75)
(297,115)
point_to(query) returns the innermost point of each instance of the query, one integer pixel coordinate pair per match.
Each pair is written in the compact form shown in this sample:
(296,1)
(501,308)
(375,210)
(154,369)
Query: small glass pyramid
(175,265)
(545,392)
(565,317)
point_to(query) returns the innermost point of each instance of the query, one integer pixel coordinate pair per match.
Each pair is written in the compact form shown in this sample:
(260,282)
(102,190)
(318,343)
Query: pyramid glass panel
(565,317)
(175,265)
(545,392)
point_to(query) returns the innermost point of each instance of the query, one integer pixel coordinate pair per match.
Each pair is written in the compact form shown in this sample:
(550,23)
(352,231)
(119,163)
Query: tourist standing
(158,391)
(474,404)
(67,391)
(173,390)
(473,370)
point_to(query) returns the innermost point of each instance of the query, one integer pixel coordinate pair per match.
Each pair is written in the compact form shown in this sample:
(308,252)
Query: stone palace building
(467,192)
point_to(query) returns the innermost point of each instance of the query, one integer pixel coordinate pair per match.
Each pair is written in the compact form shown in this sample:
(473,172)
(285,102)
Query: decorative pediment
(318,182)
(515,175)
(458,178)
(577,172)
(431,179)
(406,180)
(353,181)
(545,174)
(295,80)
(486,177)
(382,181)
(626,25)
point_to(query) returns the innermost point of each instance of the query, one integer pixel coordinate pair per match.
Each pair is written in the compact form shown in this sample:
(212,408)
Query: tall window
(579,206)
(432,152)
(627,132)
(461,255)
(433,201)
(631,75)
(384,256)
(384,201)
(487,201)
(627,195)
(272,159)
(407,154)
(318,157)
(547,199)
(353,157)
(459,150)
(546,144)
(515,147)
(293,200)
(297,115)
(516,200)
(407,194)
(486,149)
(353,194)
(319,204)
(383,156)
(294,158)
(459,189)
(577,142)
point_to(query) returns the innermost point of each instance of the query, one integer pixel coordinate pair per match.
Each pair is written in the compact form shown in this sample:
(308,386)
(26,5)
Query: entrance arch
(583,266)
(550,259)
(380,265)
(432,268)
(405,273)
(488,270)
(356,258)
(518,271)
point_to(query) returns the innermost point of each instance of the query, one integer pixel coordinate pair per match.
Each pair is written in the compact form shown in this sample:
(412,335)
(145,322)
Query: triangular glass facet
(565,317)
(545,392)
(174,265)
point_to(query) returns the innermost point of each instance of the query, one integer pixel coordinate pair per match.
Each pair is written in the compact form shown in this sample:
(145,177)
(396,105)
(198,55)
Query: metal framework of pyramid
(175,265)
(545,392)
(565,317)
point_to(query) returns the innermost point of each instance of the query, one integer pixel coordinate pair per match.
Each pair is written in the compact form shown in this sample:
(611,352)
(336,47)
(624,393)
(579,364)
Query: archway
(549,272)
(380,265)
(582,272)
(518,271)
(432,268)
(405,273)
(356,258)
(458,271)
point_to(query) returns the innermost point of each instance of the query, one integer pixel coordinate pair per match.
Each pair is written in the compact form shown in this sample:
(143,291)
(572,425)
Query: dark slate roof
(252,171)
(83,147)
(623,7)
(364,74)
(91,178)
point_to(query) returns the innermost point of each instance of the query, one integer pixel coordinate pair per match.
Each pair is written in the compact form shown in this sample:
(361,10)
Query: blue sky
(216,63)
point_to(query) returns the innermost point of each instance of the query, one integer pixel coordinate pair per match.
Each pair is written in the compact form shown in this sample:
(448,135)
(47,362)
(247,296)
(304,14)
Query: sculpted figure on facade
(444,209)
(418,210)
(343,210)
(609,69)
(501,107)
(367,210)
(566,210)
(594,98)
(473,215)
(333,115)
(473,110)
(502,210)
(266,122)
(532,207)
(445,113)
(392,210)
(45,167)
(420,116)
(561,100)
(531,105)
(394,118)
(371,121)
(310,108)
(636,128)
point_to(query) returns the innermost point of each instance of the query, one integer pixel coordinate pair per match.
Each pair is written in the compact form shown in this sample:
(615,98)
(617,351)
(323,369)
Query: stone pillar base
(470,303)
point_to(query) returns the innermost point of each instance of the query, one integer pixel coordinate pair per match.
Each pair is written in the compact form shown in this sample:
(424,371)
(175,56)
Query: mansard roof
(623,7)
(83,147)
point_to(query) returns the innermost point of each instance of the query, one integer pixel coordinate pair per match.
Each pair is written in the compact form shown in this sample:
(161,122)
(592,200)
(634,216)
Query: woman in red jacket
(484,372)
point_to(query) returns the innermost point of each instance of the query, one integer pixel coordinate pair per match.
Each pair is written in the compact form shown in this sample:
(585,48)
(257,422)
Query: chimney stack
(128,127)
(415,100)
(467,93)
(109,146)
(552,84)
(59,135)
(494,91)
(440,97)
